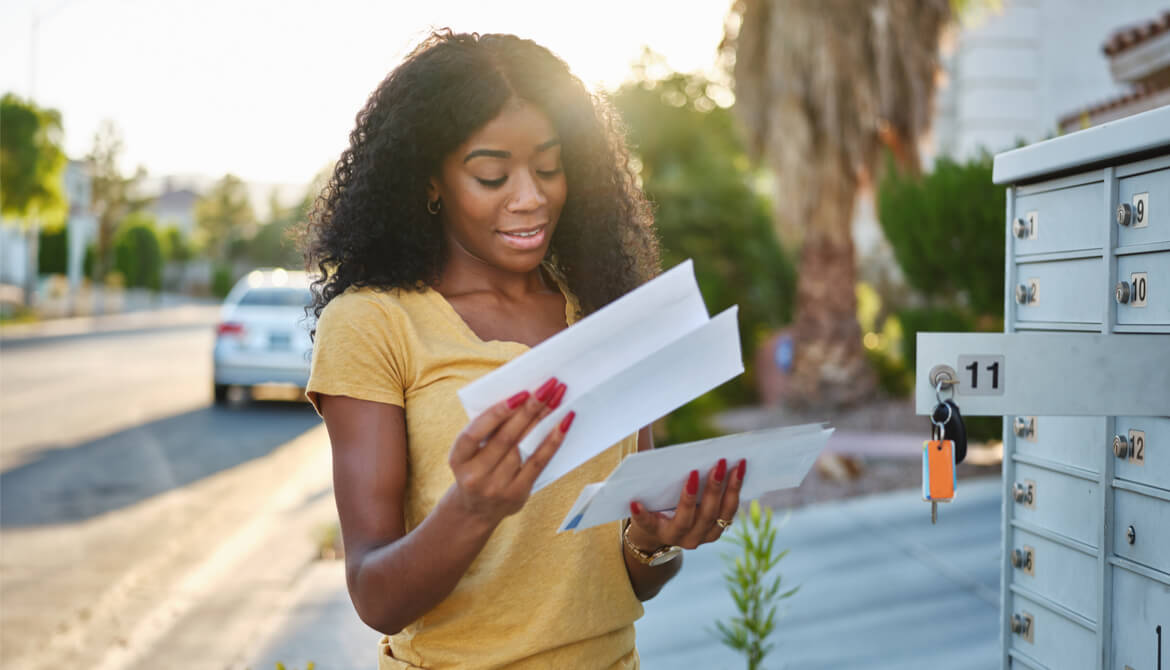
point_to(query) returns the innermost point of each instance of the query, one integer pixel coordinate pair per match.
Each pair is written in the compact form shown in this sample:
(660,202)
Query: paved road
(117,479)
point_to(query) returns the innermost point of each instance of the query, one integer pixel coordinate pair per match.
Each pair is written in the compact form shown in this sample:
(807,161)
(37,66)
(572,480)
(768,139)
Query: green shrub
(947,232)
(221,281)
(892,375)
(89,261)
(929,320)
(53,251)
(176,247)
(138,253)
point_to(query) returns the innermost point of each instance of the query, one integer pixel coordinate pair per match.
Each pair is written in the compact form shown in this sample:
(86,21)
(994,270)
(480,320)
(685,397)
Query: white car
(263,334)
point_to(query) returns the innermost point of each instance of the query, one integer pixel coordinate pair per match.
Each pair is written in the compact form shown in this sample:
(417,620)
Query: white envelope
(625,366)
(777,458)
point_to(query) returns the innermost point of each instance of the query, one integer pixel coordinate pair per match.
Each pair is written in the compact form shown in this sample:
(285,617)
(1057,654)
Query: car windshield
(277,297)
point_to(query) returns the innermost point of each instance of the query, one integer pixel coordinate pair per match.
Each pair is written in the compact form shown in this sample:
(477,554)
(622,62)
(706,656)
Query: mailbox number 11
(981,375)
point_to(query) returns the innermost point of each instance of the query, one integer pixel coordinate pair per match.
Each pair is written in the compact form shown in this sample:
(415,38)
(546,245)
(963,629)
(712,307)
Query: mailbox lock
(1023,426)
(1120,446)
(1025,493)
(1131,535)
(1022,625)
(1017,558)
(1121,292)
(1021,228)
(1024,294)
(1124,214)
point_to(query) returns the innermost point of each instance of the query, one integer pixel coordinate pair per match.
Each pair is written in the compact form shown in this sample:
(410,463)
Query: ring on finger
(722,523)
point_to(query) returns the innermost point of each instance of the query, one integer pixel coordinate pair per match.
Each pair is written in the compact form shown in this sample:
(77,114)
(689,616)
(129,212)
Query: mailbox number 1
(982,375)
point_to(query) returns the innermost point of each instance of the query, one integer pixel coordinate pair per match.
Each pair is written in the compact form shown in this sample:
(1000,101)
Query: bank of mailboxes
(1081,376)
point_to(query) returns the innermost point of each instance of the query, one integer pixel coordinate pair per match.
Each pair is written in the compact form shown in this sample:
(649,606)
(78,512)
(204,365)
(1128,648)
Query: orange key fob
(938,465)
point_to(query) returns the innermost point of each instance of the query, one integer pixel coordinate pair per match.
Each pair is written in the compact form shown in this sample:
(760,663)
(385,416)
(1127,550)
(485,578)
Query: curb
(187,316)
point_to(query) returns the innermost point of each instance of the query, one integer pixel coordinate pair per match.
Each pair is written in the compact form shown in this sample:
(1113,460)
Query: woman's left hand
(695,520)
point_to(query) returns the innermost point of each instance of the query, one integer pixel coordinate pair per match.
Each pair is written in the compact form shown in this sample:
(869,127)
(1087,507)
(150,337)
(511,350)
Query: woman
(484,204)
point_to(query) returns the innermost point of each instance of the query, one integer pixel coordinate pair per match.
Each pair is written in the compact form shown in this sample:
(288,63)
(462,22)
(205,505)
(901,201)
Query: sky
(267,89)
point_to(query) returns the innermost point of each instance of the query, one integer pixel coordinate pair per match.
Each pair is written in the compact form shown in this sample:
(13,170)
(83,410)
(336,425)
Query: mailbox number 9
(1140,209)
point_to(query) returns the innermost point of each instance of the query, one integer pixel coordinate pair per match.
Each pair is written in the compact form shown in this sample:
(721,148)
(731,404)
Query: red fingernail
(544,391)
(693,483)
(567,421)
(741,469)
(555,401)
(515,400)
(635,508)
(721,470)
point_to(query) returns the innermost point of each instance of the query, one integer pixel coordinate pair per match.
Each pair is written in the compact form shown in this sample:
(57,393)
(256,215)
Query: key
(938,457)
(953,427)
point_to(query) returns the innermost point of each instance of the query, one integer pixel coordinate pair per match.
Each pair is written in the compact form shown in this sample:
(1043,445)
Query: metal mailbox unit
(1081,376)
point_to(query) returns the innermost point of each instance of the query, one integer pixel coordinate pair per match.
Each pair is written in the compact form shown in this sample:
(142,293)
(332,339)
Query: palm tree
(821,87)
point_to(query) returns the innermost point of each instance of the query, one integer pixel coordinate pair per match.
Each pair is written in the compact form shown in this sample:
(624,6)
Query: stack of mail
(631,362)
(778,458)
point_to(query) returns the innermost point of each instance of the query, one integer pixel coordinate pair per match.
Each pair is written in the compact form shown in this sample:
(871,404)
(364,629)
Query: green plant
(138,252)
(708,207)
(946,230)
(752,586)
(221,281)
(929,320)
(53,251)
(309,666)
(89,262)
(175,245)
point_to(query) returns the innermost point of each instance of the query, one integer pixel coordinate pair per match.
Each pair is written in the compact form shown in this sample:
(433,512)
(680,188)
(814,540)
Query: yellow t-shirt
(533,598)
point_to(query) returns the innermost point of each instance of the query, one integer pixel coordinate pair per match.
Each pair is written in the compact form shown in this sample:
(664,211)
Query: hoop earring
(437,205)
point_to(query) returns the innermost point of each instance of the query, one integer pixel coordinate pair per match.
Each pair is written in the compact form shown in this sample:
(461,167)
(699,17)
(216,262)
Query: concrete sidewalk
(880,587)
(167,317)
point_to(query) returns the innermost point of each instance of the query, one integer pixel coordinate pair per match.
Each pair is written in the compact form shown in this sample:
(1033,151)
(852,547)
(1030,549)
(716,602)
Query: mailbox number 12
(981,375)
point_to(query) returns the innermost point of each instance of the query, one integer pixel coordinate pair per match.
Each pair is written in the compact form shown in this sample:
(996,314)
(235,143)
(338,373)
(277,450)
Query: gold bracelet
(663,554)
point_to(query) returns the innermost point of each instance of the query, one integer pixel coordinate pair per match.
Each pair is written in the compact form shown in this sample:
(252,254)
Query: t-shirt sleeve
(358,352)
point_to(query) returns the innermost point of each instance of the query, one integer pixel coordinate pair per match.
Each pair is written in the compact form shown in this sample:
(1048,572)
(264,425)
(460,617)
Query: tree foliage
(138,252)
(695,170)
(223,216)
(275,244)
(114,195)
(32,162)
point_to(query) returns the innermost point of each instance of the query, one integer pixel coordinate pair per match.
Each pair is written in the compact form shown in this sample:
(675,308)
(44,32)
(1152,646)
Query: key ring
(938,391)
(940,426)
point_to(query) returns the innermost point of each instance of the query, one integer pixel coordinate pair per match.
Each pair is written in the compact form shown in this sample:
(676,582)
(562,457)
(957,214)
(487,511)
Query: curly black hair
(370,226)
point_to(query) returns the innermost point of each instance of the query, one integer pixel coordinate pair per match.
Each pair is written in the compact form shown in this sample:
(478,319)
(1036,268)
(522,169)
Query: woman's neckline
(462,324)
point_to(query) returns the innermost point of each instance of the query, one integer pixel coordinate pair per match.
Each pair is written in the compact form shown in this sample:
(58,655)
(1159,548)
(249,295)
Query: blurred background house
(1007,82)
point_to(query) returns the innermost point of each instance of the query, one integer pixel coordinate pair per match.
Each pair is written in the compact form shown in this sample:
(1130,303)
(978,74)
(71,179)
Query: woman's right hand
(491,479)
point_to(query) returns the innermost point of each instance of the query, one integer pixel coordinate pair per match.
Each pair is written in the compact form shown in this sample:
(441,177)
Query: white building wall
(13,253)
(1012,75)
